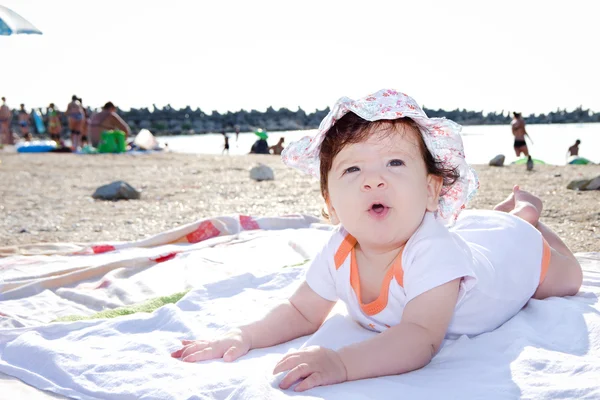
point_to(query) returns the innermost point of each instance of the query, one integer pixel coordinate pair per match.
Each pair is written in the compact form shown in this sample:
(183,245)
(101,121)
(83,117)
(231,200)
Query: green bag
(112,142)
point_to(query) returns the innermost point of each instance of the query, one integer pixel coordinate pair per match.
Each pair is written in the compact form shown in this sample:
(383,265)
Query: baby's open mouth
(378,210)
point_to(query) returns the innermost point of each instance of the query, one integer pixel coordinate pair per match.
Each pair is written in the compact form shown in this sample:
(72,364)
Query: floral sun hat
(441,136)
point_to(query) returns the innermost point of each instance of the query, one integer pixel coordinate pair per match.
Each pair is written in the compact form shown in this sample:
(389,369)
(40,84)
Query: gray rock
(262,173)
(585,184)
(118,190)
(497,161)
(594,184)
(577,185)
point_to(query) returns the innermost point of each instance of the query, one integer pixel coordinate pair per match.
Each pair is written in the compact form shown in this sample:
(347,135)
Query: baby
(403,258)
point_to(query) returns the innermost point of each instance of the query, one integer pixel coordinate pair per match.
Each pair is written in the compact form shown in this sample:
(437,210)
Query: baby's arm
(409,345)
(301,315)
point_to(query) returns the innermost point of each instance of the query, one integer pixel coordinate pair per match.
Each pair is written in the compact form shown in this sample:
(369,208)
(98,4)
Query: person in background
(237,133)
(226,145)
(75,117)
(24,118)
(84,124)
(54,124)
(278,148)
(261,146)
(574,150)
(5,119)
(520,145)
(106,120)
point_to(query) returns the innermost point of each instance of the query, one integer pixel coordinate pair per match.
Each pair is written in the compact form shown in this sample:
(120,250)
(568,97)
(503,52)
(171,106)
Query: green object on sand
(88,150)
(522,161)
(261,134)
(112,142)
(147,307)
(576,160)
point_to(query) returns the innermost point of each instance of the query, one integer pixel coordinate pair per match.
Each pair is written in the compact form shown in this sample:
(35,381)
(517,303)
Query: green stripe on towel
(147,307)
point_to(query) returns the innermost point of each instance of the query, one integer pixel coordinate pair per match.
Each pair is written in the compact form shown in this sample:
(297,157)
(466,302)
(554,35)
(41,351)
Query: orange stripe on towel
(546,253)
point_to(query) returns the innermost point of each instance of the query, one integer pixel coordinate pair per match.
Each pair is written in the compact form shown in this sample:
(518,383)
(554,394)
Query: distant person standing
(5,120)
(237,133)
(226,145)
(106,120)
(574,150)
(85,124)
(54,124)
(75,117)
(520,145)
(24,118)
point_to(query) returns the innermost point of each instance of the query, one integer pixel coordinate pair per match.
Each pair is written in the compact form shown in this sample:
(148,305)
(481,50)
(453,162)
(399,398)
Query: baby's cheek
(413,204)
(347,212)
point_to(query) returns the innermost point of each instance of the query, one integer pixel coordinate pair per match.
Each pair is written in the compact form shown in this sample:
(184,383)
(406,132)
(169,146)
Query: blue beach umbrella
(12,23)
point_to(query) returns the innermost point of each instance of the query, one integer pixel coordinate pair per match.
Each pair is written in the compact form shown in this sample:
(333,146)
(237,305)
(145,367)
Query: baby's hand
(315,366)
(229,346)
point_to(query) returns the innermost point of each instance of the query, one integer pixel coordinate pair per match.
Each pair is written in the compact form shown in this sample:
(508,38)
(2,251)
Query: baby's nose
(374,183)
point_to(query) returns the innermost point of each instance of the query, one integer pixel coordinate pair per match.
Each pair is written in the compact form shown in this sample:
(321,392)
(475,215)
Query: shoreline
(47,198)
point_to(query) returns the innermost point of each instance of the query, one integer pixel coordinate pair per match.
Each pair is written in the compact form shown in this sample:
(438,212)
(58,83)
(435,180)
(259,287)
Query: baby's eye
(351,169)
(396,163)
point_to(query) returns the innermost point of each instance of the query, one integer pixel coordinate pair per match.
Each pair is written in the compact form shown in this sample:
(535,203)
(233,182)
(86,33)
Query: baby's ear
(434,187)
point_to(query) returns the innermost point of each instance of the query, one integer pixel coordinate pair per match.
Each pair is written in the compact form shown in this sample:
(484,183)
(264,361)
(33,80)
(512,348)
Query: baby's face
(380,189)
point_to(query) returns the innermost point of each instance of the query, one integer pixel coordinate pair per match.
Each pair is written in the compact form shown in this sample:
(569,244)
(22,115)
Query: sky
(226,55)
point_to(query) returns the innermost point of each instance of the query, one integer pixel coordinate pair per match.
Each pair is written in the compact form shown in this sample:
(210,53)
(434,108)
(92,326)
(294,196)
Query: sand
(47,197)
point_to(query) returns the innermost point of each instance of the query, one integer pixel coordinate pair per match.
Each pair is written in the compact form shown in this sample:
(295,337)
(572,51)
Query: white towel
(551,349)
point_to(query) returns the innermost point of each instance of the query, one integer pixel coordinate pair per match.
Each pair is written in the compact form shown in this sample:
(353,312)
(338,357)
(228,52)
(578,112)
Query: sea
(549,143)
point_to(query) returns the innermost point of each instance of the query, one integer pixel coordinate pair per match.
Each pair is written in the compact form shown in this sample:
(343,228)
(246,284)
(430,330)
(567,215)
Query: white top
(500,258)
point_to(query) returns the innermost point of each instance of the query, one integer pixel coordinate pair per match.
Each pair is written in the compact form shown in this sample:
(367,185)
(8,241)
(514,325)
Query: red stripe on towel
(206,230)
(103,248)
(104,284)
(248,223)
(164,258)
